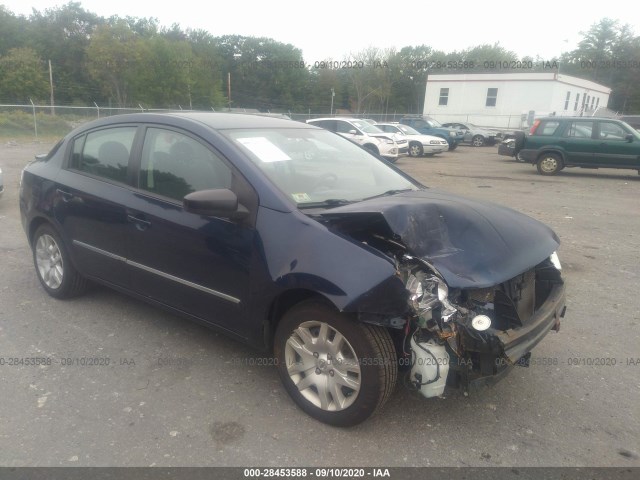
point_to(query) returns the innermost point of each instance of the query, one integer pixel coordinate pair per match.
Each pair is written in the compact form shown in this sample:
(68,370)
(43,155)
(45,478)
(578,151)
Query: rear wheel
(549,164)
(55,271)
(337,370)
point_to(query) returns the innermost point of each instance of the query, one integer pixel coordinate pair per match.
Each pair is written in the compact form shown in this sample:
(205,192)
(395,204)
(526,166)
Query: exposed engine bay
(469,319)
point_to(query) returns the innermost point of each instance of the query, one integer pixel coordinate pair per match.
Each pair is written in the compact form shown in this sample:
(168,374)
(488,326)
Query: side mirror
(220,202)
(629,137)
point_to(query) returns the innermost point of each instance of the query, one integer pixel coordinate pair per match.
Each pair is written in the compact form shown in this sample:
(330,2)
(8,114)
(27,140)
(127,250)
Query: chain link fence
(46,121)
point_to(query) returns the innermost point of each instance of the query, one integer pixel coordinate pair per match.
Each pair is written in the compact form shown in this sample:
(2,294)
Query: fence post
(35,123)
(97,108)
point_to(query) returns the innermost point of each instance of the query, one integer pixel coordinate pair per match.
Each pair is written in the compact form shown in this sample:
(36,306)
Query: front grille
(514,301)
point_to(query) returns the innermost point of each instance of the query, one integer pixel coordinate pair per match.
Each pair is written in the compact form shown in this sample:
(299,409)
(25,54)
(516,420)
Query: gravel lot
(177,394)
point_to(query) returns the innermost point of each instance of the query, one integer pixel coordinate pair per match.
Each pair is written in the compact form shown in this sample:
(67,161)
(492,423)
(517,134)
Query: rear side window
(105,153)
(547,128)
(326,124)
(579,129)
(343,127)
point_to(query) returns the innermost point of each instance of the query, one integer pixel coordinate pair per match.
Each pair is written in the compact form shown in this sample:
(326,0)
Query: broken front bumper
(488,365)
(518,342)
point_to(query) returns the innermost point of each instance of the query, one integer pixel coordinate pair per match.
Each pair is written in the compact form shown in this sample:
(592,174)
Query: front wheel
(453,146)
(416,150)
(477,141)
(549,164)
(338,370)
(55,271)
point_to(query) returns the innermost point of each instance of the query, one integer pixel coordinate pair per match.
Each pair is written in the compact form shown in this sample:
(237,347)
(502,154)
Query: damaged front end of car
(483,284)
(470,337)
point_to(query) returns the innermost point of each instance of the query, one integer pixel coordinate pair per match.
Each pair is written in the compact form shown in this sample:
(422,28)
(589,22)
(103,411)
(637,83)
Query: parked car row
(389,140)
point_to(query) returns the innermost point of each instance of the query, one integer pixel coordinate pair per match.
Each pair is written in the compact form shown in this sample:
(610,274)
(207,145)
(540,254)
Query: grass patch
(19,125)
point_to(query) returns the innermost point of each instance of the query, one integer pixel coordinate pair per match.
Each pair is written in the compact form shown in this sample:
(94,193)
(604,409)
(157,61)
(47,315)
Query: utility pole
(229,89)
(333,94)
(53,109)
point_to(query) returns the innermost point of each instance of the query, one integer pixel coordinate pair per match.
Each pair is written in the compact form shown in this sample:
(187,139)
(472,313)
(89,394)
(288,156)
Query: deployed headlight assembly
(427,292)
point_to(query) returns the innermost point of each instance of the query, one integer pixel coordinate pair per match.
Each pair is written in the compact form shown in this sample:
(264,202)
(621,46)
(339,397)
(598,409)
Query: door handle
(140,223)
(66,196)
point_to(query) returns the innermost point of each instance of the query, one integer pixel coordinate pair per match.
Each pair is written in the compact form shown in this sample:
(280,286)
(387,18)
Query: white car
(419,144)
(366,135)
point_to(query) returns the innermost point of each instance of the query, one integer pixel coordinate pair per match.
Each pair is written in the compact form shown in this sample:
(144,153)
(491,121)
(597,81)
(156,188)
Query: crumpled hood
(473,244)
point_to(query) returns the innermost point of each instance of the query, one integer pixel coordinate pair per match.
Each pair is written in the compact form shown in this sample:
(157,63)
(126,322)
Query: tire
(478,141)
(453,146)
(549,164)
(53,266)
(310,365)
(416,149)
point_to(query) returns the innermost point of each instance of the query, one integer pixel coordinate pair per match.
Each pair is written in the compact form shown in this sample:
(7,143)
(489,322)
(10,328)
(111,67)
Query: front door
(197,264)
(614,147)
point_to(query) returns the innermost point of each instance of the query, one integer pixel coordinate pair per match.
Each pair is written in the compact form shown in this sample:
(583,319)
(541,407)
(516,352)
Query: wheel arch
(35,223)
(371,147)
(546,151)
(284,302)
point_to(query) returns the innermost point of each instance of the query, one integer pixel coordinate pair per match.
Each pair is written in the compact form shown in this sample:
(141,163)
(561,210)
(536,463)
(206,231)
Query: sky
(331,29)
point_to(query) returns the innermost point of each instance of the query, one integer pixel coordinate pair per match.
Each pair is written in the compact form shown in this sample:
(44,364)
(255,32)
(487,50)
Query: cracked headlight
(555,260)
(427,292)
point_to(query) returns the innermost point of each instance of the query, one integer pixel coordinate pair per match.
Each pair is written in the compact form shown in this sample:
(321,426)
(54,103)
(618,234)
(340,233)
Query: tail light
(532,131)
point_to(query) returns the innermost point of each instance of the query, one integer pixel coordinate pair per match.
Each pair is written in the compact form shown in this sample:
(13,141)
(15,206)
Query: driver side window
(174,165)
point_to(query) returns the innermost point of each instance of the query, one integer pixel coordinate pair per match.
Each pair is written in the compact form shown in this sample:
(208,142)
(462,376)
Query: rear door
(578,142)
(91,198)
(613,148)
(197,264)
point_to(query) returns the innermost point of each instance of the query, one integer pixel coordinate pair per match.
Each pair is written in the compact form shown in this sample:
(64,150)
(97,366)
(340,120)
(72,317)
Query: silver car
(366,135)
(473,134)
(419,144)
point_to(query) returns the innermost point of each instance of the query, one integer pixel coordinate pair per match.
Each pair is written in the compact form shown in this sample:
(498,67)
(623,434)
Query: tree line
(127,62)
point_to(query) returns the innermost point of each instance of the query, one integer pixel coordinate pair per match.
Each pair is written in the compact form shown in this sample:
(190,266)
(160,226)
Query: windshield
(407,130)
(433,122)
(366,127)
(317,167)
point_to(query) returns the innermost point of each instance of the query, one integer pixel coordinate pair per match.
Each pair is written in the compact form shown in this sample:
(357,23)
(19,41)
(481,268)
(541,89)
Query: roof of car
(215,120)
(577,118)
(351,119)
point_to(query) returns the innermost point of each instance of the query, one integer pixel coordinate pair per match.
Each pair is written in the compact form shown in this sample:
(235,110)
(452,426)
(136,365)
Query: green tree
(22,77)
(13,30)
(114,60)
(265,74)
(62,35)
(606,55)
